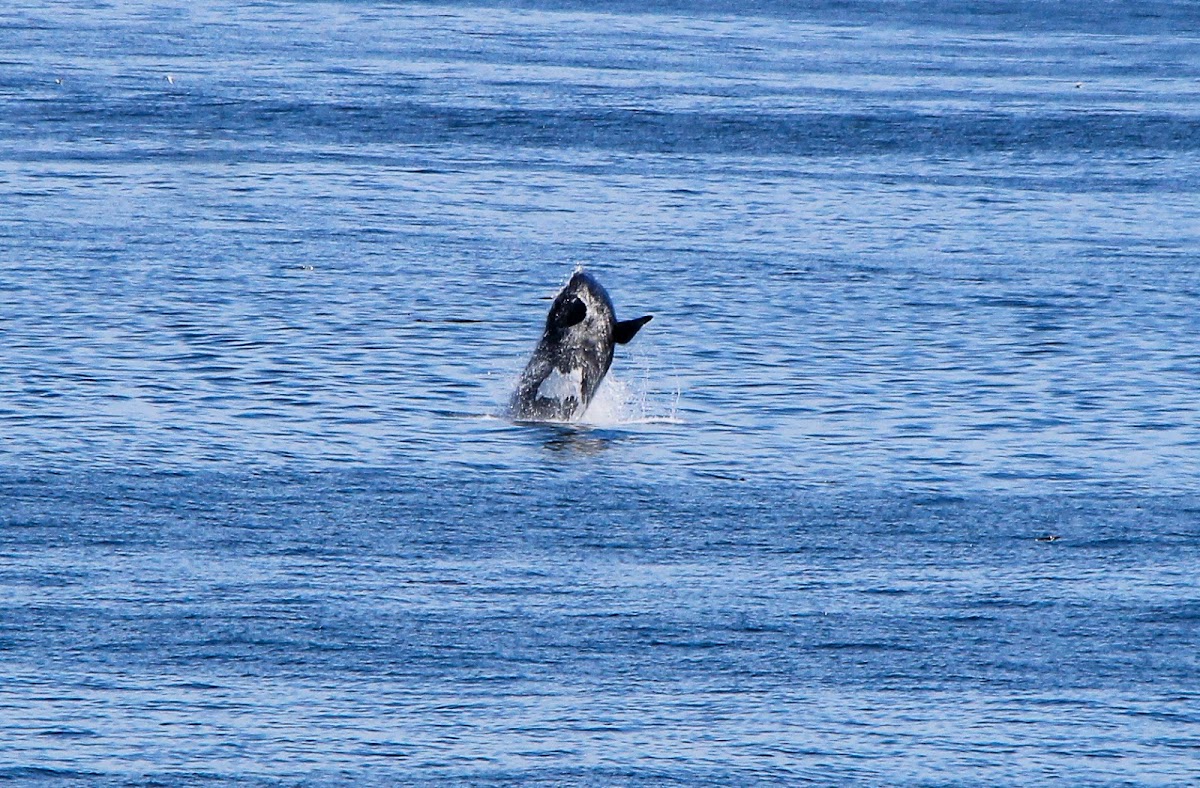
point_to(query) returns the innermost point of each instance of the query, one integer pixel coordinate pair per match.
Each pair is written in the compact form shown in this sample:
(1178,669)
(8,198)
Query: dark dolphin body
(574,354)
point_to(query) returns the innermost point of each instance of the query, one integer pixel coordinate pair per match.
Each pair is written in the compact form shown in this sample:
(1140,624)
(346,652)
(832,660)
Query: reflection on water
(579,440)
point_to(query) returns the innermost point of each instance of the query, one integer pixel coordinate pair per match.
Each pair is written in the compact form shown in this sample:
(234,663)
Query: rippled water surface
(925,287)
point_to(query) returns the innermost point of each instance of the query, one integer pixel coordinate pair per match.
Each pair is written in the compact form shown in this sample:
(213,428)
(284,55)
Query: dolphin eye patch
(569,312)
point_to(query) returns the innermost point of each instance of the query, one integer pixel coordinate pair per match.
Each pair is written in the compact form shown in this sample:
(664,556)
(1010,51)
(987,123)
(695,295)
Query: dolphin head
(582,310)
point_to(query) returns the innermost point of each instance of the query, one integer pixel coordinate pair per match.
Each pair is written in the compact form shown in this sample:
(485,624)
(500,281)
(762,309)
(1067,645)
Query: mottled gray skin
(573,355)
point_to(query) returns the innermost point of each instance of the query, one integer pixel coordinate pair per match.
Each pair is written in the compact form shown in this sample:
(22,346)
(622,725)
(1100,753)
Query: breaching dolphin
(574,353)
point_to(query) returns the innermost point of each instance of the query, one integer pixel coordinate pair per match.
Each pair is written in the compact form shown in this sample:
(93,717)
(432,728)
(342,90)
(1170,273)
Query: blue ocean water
(899,486)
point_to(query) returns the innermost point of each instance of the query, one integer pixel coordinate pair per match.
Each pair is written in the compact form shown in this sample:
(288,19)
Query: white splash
(562,387)
(617,402)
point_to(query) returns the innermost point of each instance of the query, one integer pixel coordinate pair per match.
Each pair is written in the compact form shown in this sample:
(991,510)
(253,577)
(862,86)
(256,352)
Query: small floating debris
(1049,538)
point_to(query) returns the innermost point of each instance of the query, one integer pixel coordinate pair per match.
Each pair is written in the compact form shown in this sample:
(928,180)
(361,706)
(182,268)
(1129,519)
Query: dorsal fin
(626,329)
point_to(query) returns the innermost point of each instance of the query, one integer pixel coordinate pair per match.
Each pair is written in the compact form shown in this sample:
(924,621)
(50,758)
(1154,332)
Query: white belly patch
(562,387)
